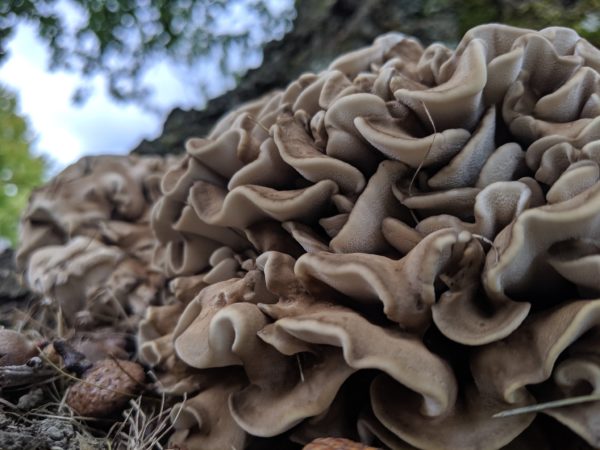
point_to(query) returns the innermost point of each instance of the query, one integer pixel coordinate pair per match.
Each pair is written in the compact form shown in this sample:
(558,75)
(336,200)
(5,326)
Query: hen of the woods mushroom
(392,250)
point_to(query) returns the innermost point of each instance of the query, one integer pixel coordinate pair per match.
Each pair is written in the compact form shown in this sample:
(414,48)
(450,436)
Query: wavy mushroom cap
(414,228)
(406,204)
(86,241)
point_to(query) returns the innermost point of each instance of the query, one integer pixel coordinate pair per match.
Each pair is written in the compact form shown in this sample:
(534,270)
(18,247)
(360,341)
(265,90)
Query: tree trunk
(322,30)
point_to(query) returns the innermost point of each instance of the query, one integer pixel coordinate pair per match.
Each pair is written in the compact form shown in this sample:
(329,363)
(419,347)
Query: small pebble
(31,399)
(54,433)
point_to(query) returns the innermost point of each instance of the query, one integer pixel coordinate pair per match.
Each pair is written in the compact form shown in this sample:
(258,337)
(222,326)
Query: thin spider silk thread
(256,122)
(420,167)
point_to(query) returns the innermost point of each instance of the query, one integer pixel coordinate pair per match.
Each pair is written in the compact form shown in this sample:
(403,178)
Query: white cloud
(63,130)
(66,132)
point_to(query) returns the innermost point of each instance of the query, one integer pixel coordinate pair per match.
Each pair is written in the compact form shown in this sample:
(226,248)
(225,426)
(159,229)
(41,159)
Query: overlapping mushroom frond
(421,224)
(86,241)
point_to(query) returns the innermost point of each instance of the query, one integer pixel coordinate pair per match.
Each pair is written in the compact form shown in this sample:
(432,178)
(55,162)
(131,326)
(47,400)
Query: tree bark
(322,30)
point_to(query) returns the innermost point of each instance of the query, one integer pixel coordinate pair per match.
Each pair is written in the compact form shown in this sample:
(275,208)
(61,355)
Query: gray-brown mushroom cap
(86,239)
(204,421)
(524,246)
(415,228)
(403,201)
(469,426)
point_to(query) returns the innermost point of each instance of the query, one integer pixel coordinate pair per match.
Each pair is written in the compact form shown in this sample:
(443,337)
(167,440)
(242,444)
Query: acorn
(332,443)
(105,388)
(15,349)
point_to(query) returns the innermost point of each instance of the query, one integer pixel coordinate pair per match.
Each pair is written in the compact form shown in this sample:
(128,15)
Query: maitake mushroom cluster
(86,241)
(392,250)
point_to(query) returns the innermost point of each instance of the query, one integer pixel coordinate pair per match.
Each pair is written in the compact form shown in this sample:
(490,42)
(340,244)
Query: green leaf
(20,170)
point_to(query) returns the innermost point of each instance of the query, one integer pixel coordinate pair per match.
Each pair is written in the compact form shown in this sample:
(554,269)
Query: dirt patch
(43,434)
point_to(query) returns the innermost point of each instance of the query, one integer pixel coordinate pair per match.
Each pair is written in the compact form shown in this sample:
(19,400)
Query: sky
(65,131)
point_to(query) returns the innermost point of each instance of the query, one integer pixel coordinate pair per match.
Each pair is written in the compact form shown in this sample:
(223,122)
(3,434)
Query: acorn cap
(105,388)
(332,443)
(15,349)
